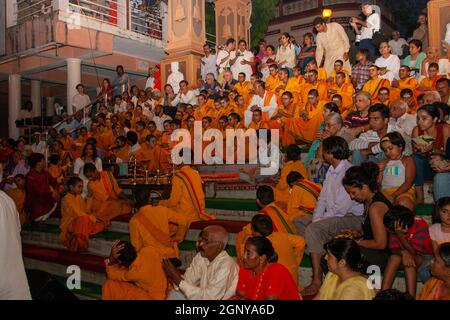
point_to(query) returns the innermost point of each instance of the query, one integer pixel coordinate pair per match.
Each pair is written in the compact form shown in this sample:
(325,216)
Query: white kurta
(257,100)
(392,64)
(205,280)
(13,280)
(333,44)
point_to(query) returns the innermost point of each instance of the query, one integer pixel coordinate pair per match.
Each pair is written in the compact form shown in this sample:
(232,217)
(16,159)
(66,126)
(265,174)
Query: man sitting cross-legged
(156,226)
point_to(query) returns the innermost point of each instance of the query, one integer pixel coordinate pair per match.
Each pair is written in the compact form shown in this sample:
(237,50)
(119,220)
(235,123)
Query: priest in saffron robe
(77,225)
(305,128)
(106,200)
(134,275)
(157,227)
(187,196)
(375,83)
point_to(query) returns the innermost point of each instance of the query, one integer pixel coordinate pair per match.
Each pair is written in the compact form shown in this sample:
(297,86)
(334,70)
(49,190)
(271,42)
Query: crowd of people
(376,131)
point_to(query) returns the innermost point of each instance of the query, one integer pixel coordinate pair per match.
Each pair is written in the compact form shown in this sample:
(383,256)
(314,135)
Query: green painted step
(232,204)
(424,209)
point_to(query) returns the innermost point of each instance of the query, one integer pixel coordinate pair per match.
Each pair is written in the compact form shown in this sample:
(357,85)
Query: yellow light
(326,13)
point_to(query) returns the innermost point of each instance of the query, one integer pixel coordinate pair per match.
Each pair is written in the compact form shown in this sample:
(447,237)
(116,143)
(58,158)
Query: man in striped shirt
(358,122)
(360,71)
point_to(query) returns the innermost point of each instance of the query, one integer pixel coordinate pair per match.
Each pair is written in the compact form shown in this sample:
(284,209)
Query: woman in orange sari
(261,277)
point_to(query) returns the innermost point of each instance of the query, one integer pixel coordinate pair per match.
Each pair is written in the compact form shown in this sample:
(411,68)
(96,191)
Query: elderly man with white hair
(400,119)
(431,97)
(212,275)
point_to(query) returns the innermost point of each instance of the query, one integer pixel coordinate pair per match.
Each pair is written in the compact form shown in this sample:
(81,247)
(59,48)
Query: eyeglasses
(206,241)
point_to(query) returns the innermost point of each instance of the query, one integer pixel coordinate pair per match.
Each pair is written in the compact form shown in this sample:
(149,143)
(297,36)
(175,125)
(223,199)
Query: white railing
(146,21)
(32,9)
(104,11)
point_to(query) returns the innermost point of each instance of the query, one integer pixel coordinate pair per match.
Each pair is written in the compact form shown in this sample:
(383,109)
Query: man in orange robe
(343,88)
(134,275)
(305,127)
(273,80)
(293,163)
(157,157)
(18,195)
(287,84)
(187,196)
(243,87)
(106,200)
(375,83)
(76,223)
(257,122)
(314,83)
(429,83)
(153,226)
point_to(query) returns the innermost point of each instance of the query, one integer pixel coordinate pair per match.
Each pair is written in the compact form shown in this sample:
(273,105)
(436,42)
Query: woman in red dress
(106,90)
(261,277)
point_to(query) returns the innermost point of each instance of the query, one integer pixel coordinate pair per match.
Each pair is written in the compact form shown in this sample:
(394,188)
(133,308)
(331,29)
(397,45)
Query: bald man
(431,97)
(400,119)
(212,275)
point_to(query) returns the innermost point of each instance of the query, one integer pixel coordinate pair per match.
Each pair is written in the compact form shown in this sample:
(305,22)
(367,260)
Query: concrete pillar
(73,78)
(14,104)
(438,17)
(122,17)
(186,37)
(36,97)
(232,20)
(49,106)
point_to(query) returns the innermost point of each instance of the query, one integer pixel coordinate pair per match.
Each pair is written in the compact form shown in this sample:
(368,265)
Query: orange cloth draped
(346,91)
(373,87)
(303,198)
(103,201)
(293,86)
(149,227)
(245,90)
(57,173)
(321,87)
(272,83)
(187,196)
(158,159)
(122,153)
(143,280)
(322,74)
(281,190)
(18,196)
(76,224)
(433,290)
(142,135)
(303,130)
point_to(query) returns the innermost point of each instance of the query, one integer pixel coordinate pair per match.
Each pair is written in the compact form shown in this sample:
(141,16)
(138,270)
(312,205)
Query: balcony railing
(32,9)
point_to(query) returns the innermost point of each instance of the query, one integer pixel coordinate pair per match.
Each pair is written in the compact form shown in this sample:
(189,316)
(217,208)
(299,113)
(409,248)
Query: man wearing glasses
(212,275)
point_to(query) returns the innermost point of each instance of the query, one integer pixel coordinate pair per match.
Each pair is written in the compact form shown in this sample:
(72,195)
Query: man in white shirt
(119,104)
(367,146)
(242,60)
(388,63)
(212,275)
(367,29)
(223,58)
(397,44)
(400,119)
(151,79)
(185,95)
(160,117)
(80,100)
(264,100)
(208,62)
(13,280)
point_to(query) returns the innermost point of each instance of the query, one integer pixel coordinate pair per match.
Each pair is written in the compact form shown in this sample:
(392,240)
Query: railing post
(122,13)
(61,5)
(11,13)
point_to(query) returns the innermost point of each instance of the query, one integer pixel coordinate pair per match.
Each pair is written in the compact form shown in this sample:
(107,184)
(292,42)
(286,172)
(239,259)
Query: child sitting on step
(440,230)
(76,223)
(397,172)
(410,244)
